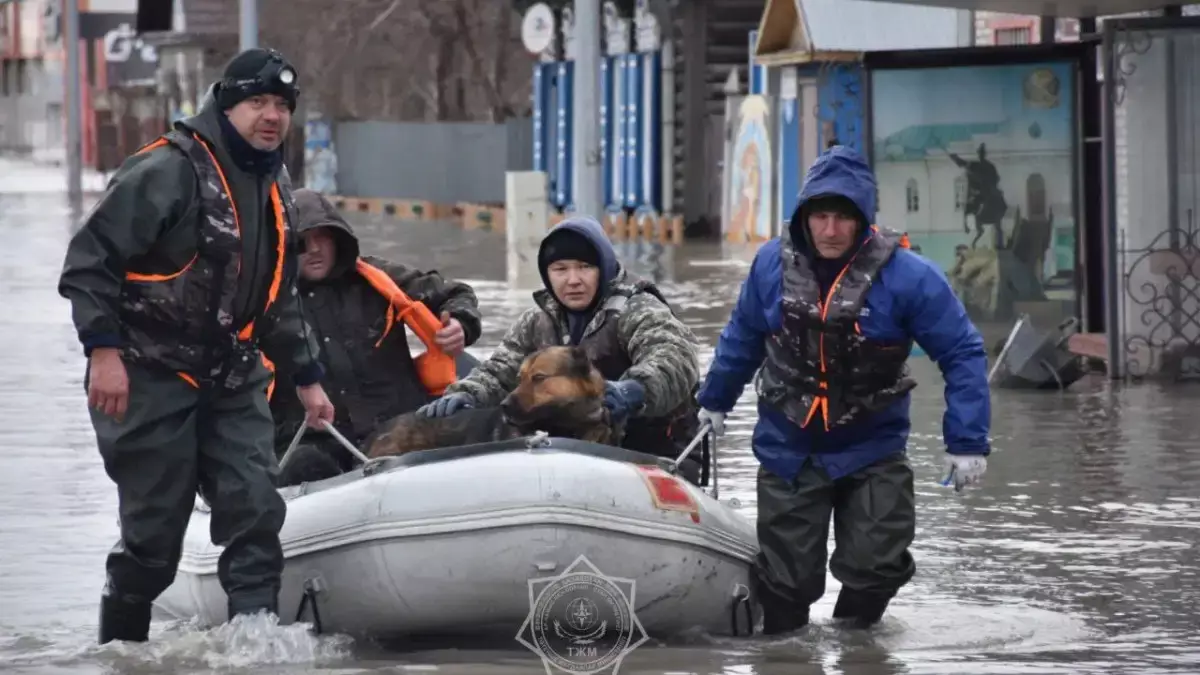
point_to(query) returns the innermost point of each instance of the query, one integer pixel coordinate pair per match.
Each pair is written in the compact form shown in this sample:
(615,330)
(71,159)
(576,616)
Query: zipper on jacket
(252,268)
(822,402)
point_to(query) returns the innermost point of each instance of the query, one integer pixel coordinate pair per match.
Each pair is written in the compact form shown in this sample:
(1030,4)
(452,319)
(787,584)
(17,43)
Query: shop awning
(1074,8)
(805,31)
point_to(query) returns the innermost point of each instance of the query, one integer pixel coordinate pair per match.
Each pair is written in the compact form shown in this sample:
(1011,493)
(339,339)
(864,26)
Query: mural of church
(976,163)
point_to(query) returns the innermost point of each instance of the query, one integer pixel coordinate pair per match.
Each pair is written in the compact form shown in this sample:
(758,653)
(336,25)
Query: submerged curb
(661,228)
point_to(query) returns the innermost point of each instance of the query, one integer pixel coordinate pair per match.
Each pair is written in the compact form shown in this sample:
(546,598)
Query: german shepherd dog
(560,392)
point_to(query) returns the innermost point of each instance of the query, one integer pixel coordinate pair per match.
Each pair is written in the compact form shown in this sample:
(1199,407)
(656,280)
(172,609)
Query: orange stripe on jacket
(247,332)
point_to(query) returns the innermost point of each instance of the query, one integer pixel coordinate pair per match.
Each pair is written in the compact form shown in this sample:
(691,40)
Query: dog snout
(509,405)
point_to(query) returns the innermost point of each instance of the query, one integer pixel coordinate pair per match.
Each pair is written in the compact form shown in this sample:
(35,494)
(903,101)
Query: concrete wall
(31,108)
(441,162)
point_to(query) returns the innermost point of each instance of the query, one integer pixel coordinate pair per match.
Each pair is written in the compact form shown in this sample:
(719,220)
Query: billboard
(977,164)
(129,61)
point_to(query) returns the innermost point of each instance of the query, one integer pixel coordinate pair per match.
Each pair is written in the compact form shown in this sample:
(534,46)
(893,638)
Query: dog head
(555,379)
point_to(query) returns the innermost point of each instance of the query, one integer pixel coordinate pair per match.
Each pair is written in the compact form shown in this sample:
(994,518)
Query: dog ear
(581,363)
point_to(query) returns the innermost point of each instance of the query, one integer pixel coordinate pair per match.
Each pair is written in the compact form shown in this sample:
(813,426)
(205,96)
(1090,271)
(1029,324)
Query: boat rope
(741,598)
(309,600)
(707,427)
(358,454)
(291,450)
(709,457)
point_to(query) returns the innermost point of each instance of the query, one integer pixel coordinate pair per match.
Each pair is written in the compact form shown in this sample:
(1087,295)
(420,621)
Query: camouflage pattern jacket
(634,335)
(135,272)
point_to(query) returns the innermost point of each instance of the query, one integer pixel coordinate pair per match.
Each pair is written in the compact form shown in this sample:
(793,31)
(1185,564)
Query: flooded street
(1077,555)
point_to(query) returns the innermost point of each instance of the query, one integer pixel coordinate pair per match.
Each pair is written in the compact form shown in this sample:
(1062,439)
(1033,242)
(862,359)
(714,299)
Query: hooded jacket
(632,334)
(908,299)
(149,222)
(368,380)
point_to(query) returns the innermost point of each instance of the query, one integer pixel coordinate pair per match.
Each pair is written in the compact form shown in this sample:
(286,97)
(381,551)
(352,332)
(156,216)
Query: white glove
(716,419)
(964,470)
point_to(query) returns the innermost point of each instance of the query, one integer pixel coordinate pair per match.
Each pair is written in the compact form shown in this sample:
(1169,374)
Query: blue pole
(563,193)
(789,156)
(757,73)
(550,75)
(650,194)
(541,116)
(616,198)
(633,104)
(606,124)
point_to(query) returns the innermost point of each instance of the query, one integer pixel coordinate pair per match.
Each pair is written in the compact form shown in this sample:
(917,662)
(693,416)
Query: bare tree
(404,59)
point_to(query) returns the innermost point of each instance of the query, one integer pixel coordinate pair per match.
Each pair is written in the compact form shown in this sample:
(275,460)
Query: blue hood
(594,233)
(840,171)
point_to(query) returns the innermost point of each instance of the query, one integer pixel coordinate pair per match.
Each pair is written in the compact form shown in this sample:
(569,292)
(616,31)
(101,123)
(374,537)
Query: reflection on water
(1077,556)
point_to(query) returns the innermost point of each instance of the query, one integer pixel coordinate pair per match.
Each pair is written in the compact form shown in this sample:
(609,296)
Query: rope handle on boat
(287,456)
(707,427)
(308,600)
(741,599)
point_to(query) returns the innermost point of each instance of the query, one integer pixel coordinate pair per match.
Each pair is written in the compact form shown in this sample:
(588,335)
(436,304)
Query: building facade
(120,108)
(31,84)
(995,28)
(807,91)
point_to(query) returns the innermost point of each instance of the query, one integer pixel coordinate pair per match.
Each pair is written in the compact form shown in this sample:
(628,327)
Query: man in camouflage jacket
(627,328)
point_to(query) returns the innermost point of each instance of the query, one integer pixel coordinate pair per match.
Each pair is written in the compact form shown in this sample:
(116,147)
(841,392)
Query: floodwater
(1077,555)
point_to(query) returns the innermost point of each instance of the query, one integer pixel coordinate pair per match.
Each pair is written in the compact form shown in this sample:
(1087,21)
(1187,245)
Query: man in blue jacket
(830,311)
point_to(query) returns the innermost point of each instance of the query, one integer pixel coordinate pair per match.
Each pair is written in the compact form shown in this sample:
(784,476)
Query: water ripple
(1077,556)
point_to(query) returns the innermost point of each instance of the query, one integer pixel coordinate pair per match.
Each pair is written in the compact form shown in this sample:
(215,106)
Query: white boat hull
(433,545)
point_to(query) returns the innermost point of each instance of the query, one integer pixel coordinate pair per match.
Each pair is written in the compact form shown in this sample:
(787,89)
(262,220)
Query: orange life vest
(213,271)
(904,241)
(436,368)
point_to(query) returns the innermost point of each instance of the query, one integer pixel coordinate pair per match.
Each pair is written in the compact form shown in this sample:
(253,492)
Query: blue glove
(623,397)
(446,405)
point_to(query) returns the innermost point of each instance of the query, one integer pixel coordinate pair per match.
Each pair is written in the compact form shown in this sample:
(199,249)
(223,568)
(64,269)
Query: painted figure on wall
(745,214)
(977,164)
(749,184)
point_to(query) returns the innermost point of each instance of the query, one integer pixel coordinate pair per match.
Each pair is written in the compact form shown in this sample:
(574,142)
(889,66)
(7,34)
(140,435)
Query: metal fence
(1153,196)
(443,162)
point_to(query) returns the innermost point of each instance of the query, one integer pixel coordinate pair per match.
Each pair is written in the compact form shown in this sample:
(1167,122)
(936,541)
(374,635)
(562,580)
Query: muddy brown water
(1078,555)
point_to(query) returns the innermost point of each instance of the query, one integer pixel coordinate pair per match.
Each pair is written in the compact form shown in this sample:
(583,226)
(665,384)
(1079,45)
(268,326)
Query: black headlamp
(276,76)
(277,72)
